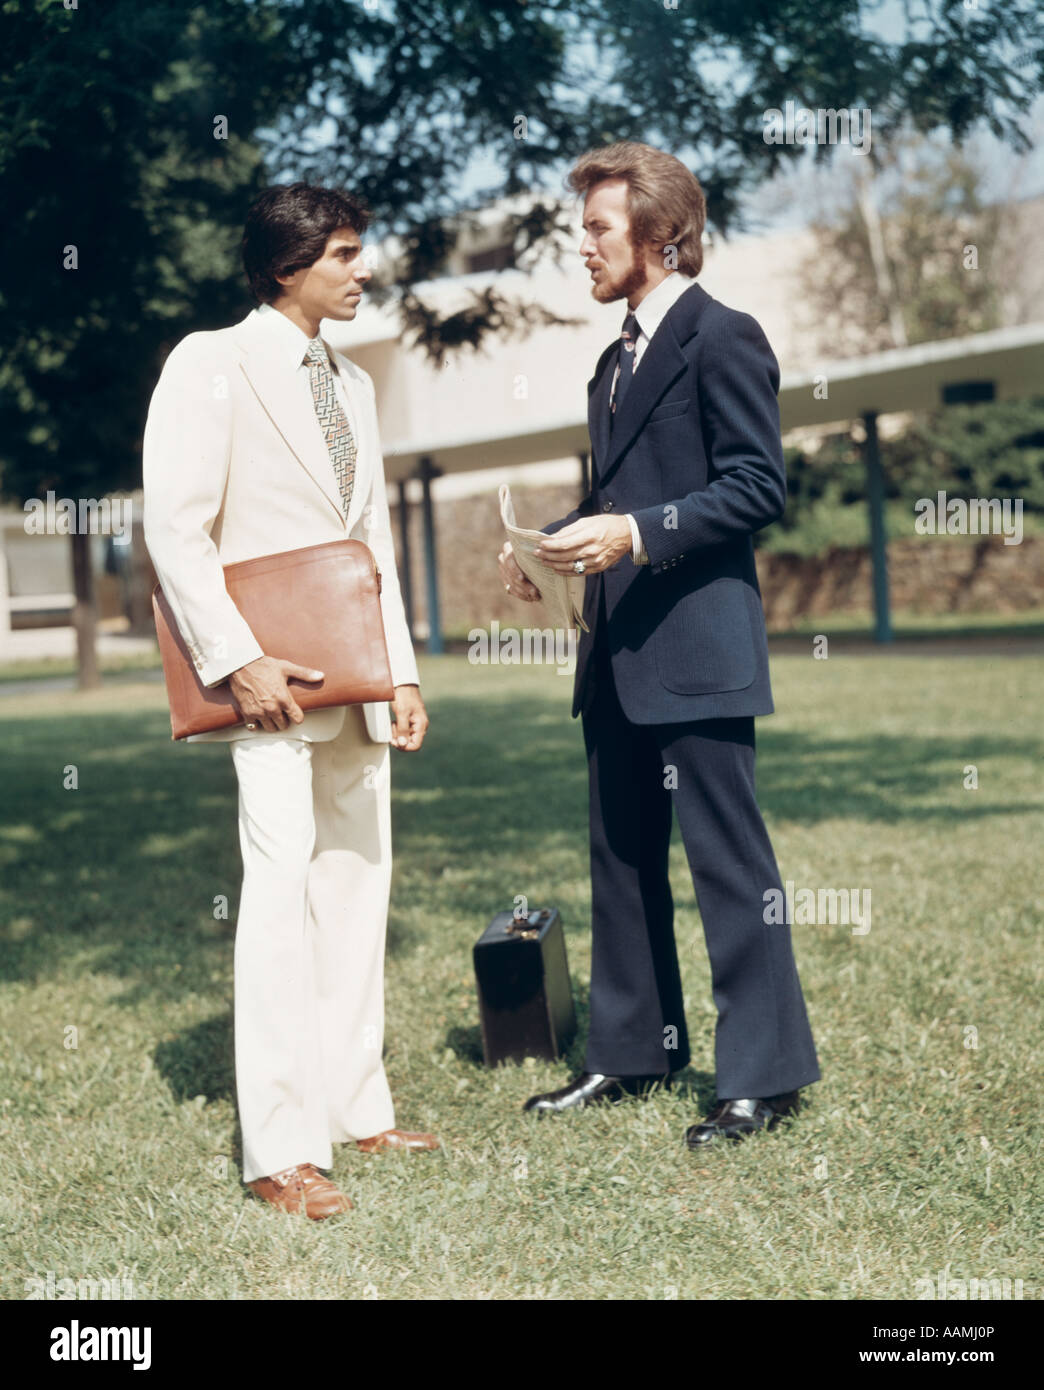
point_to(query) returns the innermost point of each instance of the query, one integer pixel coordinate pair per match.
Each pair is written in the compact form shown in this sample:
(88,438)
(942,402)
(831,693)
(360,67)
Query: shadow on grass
(200,1061)
(466,1043)
(123,875)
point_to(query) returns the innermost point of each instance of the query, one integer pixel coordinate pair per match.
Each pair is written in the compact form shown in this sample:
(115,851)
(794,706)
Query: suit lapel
(662,363)
(289,411)
(365,442)
(598,389)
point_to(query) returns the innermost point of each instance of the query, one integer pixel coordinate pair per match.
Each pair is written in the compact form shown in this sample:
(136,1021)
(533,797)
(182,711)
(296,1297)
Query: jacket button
(607,506)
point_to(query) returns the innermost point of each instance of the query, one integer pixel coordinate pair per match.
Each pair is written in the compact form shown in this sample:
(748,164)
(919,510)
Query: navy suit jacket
(695,455)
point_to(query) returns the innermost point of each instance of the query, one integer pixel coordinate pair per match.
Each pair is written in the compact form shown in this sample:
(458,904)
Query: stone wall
(468,538)
(928,574)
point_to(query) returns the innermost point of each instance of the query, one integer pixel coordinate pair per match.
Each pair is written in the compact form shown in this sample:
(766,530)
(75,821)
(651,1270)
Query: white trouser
(315,833)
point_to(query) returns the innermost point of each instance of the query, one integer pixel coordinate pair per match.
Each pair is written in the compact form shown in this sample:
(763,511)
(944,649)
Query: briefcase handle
(528,925)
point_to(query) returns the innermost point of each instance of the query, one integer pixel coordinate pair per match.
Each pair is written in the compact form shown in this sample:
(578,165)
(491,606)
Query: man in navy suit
(687,464)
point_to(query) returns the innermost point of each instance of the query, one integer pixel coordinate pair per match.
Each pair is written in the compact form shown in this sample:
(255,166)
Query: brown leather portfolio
(319,606)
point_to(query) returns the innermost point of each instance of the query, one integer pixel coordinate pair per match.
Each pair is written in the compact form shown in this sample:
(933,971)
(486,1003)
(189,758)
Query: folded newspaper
(563,595)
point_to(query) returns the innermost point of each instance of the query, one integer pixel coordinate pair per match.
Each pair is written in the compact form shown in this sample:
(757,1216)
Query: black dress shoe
(735,1119)
(592,1088)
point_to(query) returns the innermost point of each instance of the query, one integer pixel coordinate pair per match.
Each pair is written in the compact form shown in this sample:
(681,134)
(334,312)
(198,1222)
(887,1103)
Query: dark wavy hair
(665,202)
(287,228)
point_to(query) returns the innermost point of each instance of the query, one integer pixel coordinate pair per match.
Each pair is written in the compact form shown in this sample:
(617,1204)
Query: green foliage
(110,149)
(109,115)
(919,1151)
(989,450)
(931,203)
(932,206)
(994,450)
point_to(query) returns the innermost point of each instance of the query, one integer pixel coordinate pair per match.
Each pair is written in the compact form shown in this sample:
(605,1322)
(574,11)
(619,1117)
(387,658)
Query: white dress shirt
(296,346)
(650,313)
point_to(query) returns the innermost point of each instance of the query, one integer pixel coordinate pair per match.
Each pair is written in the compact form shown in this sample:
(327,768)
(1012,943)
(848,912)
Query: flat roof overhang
(901,379)
(915,378)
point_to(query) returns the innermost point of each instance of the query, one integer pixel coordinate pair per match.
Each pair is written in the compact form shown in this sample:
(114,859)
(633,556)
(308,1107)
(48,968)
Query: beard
(607,291)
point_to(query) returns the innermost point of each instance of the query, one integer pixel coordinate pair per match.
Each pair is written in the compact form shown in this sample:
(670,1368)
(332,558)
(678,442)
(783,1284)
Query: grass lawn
(920,1154)
(908,625)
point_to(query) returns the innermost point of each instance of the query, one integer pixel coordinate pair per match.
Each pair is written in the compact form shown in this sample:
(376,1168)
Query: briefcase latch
(527,927)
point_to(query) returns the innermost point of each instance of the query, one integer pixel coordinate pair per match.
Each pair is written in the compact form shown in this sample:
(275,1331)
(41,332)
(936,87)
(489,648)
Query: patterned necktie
(332,420)
(625,358)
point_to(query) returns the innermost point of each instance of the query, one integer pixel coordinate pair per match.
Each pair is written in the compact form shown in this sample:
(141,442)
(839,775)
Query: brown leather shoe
(397,1139)
(303,1186)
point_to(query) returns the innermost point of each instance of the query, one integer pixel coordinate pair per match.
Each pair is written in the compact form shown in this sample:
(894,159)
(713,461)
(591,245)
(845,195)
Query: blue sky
(786,201)
(791,198)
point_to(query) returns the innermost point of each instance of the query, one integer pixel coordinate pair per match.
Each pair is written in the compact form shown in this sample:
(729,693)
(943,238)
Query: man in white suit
(262,438)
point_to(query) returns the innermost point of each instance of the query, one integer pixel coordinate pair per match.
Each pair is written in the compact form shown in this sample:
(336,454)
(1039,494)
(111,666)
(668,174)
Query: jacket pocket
(668,410)
(705,644)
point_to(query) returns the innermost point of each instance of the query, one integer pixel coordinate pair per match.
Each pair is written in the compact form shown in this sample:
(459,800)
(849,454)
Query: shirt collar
(652,311)
(292,341)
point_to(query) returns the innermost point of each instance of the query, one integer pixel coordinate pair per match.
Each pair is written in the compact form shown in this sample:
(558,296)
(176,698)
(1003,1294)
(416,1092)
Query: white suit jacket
(235,466)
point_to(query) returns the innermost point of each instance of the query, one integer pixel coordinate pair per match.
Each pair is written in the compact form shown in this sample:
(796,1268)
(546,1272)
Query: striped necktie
(332,420)
(625,360)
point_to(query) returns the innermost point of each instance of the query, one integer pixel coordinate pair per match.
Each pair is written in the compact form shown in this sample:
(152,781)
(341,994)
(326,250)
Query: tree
(913,256)
(405,94)
(130,190)
(123,214)
(947,273)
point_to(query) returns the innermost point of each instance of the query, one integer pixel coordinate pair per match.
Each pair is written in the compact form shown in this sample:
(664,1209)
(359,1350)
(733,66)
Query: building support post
(405,558)
(426,471)
(878,536)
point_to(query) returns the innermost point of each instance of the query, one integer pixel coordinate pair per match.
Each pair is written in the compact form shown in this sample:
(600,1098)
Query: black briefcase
(525,999)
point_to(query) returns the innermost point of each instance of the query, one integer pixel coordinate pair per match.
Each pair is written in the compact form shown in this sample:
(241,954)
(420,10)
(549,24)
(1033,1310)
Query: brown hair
(665,202)
(287,228)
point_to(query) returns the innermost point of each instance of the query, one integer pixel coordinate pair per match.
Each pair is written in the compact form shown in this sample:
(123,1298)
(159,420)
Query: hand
(409,718)
(263,696)
(599,541)
(515,581)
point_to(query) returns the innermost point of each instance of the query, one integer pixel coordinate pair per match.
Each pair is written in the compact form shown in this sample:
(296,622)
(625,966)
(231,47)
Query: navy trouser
(763,1043)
